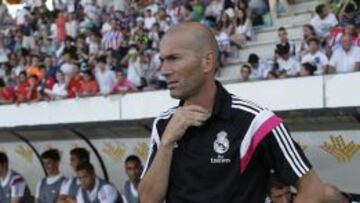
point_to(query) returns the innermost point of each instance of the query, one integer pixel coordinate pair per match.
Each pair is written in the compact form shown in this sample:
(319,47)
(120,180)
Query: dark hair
(81,153)
(311,68)
(313,39)
(23,73)
(310,27)
(243,21)
(350,8)
(282,29)
(2,83)
(282,49)
(87,166)
(3,158)
(133,158)
(53,154)
(247,67)
(319,8)
(253,58)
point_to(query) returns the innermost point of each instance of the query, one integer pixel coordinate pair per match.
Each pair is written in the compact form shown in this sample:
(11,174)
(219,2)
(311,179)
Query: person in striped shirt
(215,146)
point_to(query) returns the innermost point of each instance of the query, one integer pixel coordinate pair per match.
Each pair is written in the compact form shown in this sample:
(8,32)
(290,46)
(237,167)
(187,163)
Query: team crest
(221,144)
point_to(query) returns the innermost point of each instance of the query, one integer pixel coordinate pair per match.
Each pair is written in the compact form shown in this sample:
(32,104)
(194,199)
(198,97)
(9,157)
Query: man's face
(35,61)
(133,170)
(283,36)
(313,47)
(245,73)
(346,43)
(87,179)
(181,66)
(74,161)
(280,195)
(51,166)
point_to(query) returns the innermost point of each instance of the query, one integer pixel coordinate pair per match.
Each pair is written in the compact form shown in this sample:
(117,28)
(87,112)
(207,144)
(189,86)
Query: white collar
(52,179)
(93,193)
(6,180)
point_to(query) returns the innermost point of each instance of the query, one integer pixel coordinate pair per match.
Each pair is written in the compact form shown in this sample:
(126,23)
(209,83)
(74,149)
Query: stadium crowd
(93,47)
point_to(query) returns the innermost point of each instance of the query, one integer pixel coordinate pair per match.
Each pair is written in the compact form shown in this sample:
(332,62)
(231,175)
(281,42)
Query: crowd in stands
(94,47)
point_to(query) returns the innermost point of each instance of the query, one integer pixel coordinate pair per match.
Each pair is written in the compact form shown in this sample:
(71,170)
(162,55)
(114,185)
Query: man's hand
(183,118)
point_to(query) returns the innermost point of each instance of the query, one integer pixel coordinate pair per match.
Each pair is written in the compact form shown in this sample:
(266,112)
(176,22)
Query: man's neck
(3,176)
(205,98)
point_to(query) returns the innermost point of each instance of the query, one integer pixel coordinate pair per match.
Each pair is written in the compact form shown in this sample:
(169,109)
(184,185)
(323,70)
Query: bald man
(214,146)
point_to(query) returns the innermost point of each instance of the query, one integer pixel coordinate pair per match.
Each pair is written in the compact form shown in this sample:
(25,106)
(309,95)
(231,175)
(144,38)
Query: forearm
(153,186)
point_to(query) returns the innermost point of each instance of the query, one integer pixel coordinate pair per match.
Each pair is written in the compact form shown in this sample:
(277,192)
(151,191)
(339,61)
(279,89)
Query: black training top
(230,158)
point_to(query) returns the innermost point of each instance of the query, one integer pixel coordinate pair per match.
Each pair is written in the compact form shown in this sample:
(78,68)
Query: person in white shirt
(94,189)
(13,186)
(48,188)
(72,26)
(133,169)
(105,78)
(346,58)
(316,57)
(323,21)
(59,90)
(287,64)
(259,68)
(149,19)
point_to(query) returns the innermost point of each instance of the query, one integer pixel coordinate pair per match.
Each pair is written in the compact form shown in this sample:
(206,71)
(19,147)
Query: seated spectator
(34,68)
(345,58)
(308,32)
(105,78)
(285,63)
(22,87)
(316,57)
(284,41)
(225,22)
(243,29)
(67,67)
(307,69)
(349,15)
(149,19)
(123,85)
(197,10)
(58,91)
(7,93)
(274,11)
(46,82)
(223,42)
(215,8)
(259,68)
(245,73)
(33,94)
(88,86)
(323,20)
(75,84)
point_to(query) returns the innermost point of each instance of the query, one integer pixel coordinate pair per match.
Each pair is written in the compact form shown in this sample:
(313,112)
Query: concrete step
(271,35)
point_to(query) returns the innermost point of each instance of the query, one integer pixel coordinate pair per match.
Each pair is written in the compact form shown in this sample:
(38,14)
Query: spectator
(133,168)
(284,41)
(74,85)
(243,29)
(198,11)
(308,32)
(88,86)
(67,66)
(349,15)
(307,69)
(323,21)
(316,57)
(123,85)
(22,88)
(33,94)
(105,77)
(215,8)
(61,26)
(7,93)
(259,69)
(346,58)
(58,90)
(149,19)
(135,73)
(34,68)
(112,38)
(245,73)
(71,26)
(285,63)
(223,42)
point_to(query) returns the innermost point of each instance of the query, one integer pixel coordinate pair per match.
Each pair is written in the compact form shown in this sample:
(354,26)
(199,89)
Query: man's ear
(209,61)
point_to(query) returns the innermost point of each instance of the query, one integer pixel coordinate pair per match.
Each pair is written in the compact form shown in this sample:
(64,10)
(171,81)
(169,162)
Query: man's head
(22,76)
(188,60)
(283,51)
(60,76)
(35,61)
(120,76)
(308,31)
(4,164)
(133,168)
(282,34)
(51,160)
(313,44)
(322,10)
(253,60)
(245,72)
(86,174)
(346,42)
(77,156)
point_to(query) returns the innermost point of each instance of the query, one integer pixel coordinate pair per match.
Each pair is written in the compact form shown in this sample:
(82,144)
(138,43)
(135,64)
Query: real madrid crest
(221,144)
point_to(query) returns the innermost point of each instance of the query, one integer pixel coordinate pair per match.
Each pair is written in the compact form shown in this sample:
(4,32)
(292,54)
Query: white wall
(286,94)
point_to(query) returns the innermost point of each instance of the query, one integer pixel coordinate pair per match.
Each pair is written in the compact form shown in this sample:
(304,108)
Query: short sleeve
(285,156)
(18,186)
